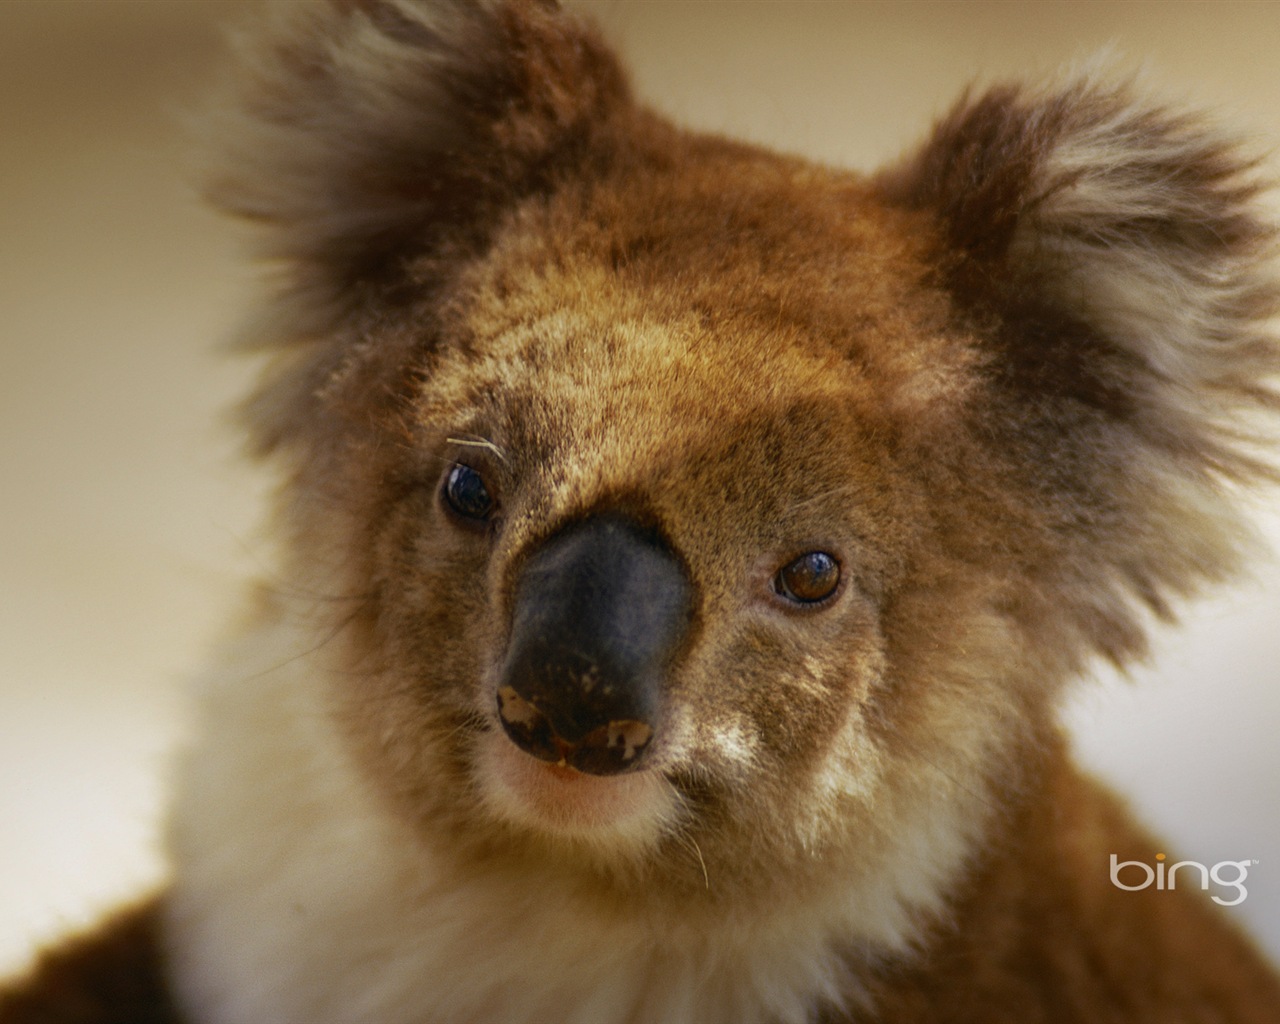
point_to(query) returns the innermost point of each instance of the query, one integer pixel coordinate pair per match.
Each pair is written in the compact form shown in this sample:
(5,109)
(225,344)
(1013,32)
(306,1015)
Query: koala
(684,551)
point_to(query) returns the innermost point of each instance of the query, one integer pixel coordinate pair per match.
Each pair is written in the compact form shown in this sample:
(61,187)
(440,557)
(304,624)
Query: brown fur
(1037,940)
(114,975)
(1006,383)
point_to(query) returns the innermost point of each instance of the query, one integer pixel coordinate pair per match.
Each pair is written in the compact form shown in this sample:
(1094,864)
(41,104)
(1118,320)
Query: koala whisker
(681,832)
(479,442)
(466,723)
(280,589)
(306,652)
(271,582)
(691,844)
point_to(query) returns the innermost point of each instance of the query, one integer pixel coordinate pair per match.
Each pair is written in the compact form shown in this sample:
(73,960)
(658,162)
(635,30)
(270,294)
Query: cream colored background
(126,520)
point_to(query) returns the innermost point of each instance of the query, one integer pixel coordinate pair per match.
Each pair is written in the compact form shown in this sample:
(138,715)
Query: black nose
(599,612)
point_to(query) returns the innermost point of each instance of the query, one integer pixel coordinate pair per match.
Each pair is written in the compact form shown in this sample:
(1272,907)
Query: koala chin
(685,548)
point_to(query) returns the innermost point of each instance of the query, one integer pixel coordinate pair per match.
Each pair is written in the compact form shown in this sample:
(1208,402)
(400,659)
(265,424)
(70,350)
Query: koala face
(700,450)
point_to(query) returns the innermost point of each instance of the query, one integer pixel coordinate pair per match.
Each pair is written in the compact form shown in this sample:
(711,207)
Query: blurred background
(128,522)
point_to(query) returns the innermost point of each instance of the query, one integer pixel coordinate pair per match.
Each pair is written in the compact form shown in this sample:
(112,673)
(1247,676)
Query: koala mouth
(628,810)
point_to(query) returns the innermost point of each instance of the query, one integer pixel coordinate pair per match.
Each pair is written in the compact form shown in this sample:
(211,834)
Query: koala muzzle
(600,610)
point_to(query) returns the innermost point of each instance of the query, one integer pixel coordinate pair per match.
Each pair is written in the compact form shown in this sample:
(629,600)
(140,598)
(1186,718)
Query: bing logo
(1229,874)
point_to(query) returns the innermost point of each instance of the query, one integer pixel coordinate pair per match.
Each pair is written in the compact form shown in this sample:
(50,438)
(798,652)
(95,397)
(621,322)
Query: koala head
(688,516)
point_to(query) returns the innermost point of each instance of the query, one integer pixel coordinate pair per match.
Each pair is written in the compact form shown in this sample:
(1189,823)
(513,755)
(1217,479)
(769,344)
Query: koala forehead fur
(878,463)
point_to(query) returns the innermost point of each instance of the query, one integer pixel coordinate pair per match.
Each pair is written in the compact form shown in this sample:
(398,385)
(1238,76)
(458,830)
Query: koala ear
(1111,251)
(1110,260)
(362,135)
(362,131)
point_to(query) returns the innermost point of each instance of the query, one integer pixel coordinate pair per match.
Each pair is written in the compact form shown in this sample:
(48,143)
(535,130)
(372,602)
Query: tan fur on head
(991,384)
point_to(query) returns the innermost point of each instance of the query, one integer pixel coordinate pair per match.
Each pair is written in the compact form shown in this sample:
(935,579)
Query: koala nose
(599,612)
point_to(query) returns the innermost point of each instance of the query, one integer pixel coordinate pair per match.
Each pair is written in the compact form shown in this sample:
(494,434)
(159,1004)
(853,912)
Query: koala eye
(466,494)
(810,579)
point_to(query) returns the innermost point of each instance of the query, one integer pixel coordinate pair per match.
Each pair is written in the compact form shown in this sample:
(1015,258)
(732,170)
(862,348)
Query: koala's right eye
(466,494)
(810,580)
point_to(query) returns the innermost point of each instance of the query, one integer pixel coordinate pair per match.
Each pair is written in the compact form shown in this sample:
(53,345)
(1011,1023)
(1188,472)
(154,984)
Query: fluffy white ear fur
(1140,221)
(357,133)
(1145,223)
(307,144)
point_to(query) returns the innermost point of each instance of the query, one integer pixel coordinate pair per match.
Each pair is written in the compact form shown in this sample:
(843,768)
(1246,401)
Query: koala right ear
(1113,251)
(361,135)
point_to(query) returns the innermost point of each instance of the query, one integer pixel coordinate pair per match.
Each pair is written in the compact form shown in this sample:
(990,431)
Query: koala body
(685,548)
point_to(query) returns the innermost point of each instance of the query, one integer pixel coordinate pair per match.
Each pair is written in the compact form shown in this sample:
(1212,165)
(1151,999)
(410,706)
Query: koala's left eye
(810,579)
(466,494)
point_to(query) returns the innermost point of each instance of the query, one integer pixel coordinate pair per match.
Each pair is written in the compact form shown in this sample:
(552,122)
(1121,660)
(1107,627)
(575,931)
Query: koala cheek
(734,742)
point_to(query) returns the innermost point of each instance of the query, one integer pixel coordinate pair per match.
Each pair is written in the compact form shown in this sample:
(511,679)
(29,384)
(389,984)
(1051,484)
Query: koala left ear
(362,132)
(1113,253)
